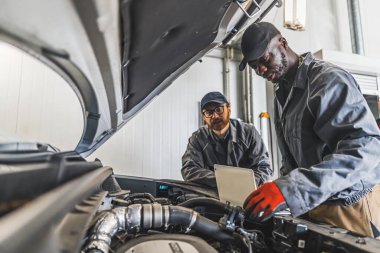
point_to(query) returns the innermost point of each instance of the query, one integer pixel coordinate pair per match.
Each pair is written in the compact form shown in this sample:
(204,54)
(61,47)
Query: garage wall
(36,104)
(321,26)
(370,22)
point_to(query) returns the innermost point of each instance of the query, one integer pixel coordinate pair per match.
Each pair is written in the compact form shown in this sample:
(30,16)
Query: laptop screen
(234,183)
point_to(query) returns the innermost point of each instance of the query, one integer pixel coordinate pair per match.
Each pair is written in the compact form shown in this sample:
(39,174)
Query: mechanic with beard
(328,137)
(223,141)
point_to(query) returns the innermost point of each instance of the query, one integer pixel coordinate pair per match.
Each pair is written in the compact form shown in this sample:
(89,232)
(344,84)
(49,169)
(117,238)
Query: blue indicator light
(163,187)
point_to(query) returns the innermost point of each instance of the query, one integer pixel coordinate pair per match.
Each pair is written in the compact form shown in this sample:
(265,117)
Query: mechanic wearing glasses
(223,141)
(328,137)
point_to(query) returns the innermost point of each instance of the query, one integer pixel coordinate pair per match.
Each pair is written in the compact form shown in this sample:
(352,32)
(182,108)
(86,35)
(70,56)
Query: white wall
(36,104)
(327,27)
(321,29)
(370,21)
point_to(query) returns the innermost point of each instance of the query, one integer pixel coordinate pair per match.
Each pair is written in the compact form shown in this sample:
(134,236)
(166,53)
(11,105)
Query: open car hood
(118,55)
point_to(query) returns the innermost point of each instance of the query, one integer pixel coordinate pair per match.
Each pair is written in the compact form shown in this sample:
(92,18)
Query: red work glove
(262,203)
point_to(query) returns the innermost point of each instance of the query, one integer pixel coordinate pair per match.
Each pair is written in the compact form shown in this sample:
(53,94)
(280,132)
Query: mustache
(215,121)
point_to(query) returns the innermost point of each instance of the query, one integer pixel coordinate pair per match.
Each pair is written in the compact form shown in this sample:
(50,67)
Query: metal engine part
(146,216)
(166,243)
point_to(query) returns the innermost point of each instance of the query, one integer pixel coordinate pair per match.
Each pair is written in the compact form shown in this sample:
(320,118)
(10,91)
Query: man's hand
(262,203)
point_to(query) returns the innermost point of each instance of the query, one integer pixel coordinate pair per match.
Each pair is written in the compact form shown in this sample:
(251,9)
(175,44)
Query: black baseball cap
(213,97)
(255,40)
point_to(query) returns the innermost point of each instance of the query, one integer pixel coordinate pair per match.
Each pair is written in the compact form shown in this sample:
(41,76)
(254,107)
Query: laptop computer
(234,184)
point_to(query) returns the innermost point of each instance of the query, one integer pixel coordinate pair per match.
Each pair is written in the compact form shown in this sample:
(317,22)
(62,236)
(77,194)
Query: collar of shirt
(301,75)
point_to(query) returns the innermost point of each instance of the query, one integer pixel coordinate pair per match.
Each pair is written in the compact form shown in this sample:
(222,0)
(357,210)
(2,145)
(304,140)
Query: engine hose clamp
(166,216)
(192,222)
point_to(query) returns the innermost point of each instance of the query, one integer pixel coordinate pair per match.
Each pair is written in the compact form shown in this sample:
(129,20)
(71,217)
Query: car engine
(182,221)
(149,215)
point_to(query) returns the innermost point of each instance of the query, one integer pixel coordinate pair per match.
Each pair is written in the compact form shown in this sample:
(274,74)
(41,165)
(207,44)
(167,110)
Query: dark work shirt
(245,148)
(221,146)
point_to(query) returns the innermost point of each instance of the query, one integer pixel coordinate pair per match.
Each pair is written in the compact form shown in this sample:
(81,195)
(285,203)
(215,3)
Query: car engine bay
(179,222)
(175,216)
(118,213)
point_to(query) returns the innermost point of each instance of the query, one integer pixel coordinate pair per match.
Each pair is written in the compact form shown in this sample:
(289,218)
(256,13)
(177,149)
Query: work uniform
(330,145)
(243,147)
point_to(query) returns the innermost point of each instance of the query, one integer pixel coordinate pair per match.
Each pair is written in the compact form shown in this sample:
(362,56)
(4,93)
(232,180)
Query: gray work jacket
(245,149)
(328,137)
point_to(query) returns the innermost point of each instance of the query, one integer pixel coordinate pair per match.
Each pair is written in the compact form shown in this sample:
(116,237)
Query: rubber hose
(183,216)
(203,201)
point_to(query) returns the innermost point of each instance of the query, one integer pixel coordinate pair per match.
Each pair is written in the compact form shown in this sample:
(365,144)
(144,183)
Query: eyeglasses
(209,113)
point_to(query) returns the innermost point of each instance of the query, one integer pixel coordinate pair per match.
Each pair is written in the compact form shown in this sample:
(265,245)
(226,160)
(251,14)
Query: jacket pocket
(293,139)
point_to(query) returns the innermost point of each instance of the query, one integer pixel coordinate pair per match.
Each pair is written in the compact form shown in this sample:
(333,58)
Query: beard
(219,123)
(281,68)
(284,63)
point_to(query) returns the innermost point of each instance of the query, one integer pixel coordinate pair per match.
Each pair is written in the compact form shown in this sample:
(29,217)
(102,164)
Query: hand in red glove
(262,203)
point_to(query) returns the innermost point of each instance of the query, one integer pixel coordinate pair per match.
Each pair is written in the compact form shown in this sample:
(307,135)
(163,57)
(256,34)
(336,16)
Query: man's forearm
(199,176)
(262,175)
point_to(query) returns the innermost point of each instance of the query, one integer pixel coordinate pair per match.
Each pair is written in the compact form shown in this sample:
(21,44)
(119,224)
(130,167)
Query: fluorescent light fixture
(295,14)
